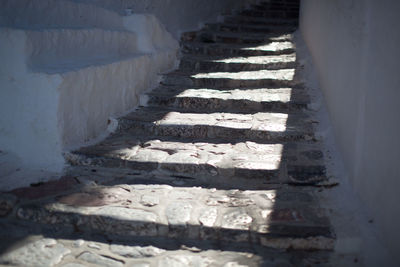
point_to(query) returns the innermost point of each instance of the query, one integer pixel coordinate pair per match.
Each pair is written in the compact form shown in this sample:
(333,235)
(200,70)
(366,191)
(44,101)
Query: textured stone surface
(237,220)
(183,261)
(135,251)
(203,175)
(178,213)
(100,260)
(44,252)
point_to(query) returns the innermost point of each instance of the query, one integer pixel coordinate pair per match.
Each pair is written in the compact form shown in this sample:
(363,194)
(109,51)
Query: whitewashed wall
(63,75)
(355,49)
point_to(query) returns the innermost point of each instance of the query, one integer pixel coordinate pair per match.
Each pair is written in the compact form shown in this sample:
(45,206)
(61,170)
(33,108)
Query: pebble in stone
(181,195)
(44,252)
(208,217)
(240,202)
(73,265)
(78,243)
(236,220)
(7,203)
(126,214)
(184,261)
(136,251)
(178,213)
(100,260)
(216,200)
(150,200)
(233,264)
(93,245)
(139,264)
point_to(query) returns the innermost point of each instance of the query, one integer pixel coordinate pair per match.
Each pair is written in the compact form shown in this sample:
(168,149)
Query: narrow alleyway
(221,168)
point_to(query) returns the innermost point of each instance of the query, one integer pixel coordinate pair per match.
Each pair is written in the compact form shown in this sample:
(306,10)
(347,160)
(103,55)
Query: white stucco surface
(354,47)
(65,75)
(176,15)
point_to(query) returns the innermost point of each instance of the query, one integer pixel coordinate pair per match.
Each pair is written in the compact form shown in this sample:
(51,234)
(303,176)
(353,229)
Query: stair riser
(249,28)
(206,131)
(220,38)
(260,21)
(204,173)
(192,65)
(58,14)
(276,7)
(290,14)
(278,234)
(55,45)
(220,105)
(217,50)
(226,83)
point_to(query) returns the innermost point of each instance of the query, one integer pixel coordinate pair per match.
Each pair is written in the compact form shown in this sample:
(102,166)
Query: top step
(40,14)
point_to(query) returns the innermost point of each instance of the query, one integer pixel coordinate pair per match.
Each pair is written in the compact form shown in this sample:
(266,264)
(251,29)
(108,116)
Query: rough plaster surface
(354,46)
(355,232)
(64,76)
(177,15)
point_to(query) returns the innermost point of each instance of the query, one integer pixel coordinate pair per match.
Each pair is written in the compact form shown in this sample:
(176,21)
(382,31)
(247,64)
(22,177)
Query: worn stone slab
(99,260)
(41,253)
(242,79)
(283,100)
(261,126)
(236,64)
(271,163)
(225,49)
(136,251)
(255,20)
(233,37)
(242,27)
(253,216)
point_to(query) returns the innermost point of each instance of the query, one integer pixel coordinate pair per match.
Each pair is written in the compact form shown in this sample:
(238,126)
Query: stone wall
(354,45)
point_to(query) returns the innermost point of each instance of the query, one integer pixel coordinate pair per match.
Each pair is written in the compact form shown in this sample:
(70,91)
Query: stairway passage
(221,168)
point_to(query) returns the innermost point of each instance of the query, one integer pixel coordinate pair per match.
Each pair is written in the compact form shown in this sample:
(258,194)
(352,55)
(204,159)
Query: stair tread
(255,95)
(227,49)
(60,66)
(196,213)
(224,36)
(226,26)
(265,21)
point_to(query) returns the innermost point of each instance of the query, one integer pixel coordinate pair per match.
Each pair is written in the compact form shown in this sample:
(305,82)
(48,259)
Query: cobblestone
(202,176)
(44,252)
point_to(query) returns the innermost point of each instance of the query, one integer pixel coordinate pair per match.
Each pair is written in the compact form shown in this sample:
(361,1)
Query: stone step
(243,79)
(275,6)
(221,49)
(59,14)
(239,19)
(236,64)
(233,37)
(288,13)
(52,46)
(242,27)
(208,162)
(261,126)
(280,219)
(285,100)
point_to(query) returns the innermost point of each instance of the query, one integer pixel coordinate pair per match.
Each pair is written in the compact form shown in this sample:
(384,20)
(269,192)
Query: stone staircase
(221,168)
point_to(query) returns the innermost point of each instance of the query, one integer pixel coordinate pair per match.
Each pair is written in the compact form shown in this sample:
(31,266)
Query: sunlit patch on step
(274,122)
(258,95)
(259,59)
(280,75)
(274,46)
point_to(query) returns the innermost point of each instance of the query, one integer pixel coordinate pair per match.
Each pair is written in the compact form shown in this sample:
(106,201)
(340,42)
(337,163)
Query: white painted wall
(65,74)
(176,15)
(355,49)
